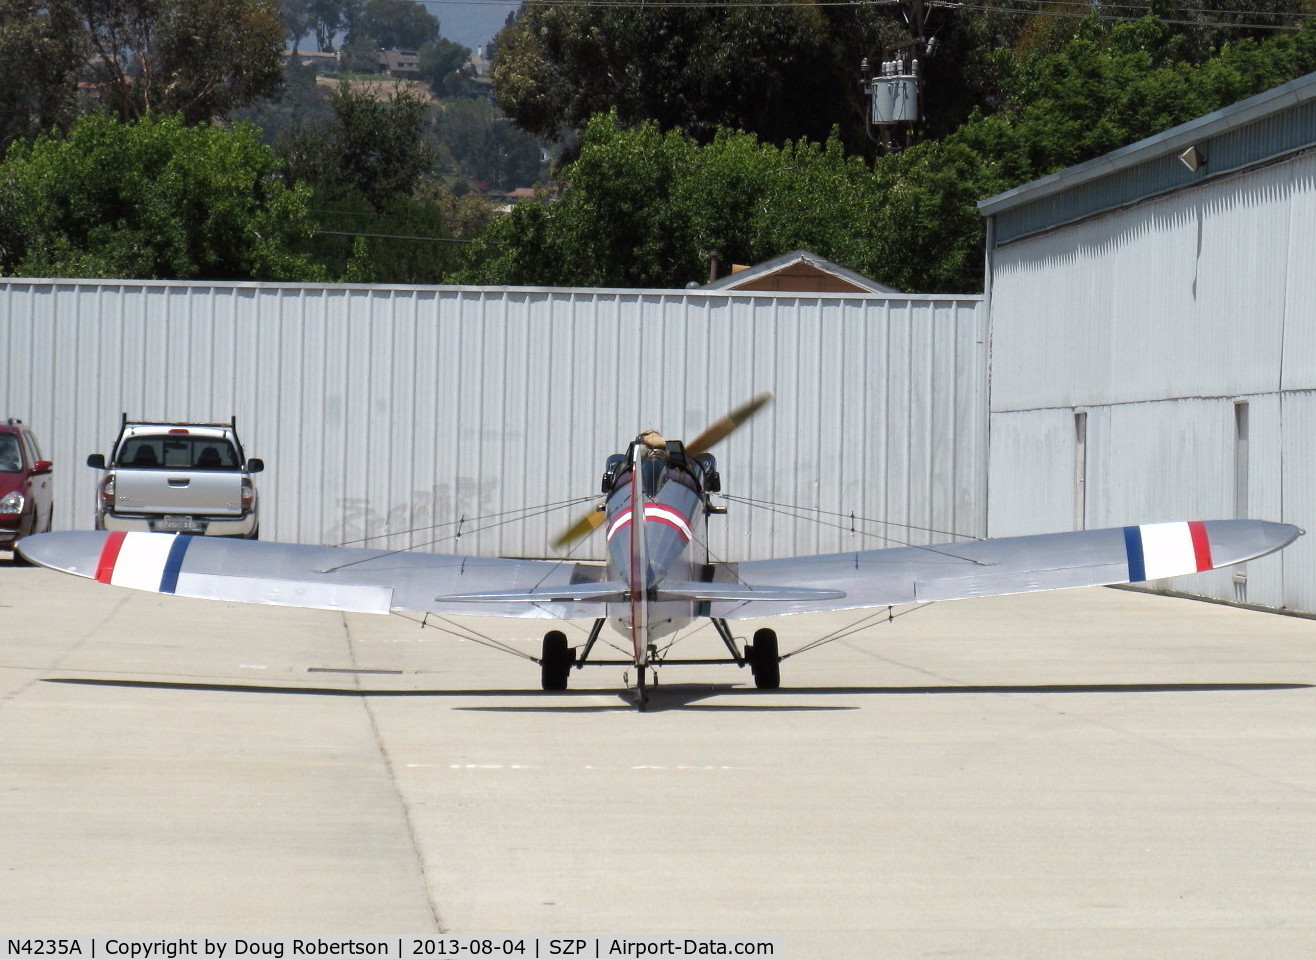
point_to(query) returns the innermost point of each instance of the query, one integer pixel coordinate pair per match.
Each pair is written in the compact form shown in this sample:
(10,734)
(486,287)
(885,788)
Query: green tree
(416,239)
(295,15)
(376,149)
(766,68)
(384,215)
(40,49)
(644,208)
(397,24)
(360,54)
(1105,87)
(440,63)
(201,59)
(198,58)
(328,18)
(485,146)
(152,199)
(1111,85)
(300,103)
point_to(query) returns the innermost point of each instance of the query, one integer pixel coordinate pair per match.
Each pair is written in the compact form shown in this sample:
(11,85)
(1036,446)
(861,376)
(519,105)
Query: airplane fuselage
(654,511)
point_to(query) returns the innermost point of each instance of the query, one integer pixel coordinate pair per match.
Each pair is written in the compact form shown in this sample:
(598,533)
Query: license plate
(179,525)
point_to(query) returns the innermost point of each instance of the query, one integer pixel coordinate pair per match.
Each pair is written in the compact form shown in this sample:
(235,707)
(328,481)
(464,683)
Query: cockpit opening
(661,464)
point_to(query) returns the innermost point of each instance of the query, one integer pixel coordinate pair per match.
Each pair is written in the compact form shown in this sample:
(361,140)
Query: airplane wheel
(764,662)
(555,661)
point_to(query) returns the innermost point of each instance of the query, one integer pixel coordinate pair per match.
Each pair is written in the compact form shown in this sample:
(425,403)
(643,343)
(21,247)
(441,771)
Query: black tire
(555,661)
(764,661)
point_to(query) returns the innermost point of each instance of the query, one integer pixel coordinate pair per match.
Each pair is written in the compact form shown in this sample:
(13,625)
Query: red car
(26,488)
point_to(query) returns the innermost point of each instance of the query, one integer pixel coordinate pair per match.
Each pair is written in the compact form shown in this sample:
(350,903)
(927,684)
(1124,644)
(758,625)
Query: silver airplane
(657,496)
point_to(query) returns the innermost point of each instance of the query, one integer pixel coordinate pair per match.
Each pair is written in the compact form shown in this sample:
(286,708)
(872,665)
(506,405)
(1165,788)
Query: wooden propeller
(715,433)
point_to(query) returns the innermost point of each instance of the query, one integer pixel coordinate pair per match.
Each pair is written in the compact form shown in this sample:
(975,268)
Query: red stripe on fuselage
(109,555)
(654,513)
(1201,544)
(658,518)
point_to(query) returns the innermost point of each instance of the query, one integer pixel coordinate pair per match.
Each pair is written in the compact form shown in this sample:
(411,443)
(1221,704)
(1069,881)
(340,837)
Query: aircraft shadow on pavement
(688,696)
(672,696)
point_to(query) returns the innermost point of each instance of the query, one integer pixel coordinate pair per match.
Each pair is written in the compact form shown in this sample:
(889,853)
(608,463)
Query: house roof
(799,271)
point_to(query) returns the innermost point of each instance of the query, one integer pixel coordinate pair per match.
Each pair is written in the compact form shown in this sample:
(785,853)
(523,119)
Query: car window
(33,451)
(11,461)
(172,451)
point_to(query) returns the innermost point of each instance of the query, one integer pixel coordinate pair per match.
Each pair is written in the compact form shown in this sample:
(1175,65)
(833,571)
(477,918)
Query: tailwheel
(555,661)
(763,660)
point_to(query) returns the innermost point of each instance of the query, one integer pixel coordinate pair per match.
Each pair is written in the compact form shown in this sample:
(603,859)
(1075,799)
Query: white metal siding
(436,410)
(1031,473)
(1156,320)
(1298,455)
(1179,297)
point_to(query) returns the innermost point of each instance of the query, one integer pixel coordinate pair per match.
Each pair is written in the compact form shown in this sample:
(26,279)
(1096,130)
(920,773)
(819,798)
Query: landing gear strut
(555,661)
(641,694)
(763,659)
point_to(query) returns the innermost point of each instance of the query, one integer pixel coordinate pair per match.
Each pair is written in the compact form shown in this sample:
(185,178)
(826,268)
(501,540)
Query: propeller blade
(715,433)
(721,429)
(585,525)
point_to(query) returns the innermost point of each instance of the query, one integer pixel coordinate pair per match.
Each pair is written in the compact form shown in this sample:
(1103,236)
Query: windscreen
(10,459)
(178,452)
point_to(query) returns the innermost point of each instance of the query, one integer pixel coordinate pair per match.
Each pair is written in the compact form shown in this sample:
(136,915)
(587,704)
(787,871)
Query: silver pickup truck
(178,478)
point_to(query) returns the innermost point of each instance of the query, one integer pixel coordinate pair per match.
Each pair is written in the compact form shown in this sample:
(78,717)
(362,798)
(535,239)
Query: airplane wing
(330,578)
(378,581)
(985,568)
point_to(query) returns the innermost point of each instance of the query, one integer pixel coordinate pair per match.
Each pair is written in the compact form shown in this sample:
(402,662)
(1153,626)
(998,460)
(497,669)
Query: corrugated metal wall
(385,410)
(1157,321)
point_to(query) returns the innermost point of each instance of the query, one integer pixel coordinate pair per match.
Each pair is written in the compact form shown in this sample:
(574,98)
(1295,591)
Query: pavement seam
(41,673)
(391,768)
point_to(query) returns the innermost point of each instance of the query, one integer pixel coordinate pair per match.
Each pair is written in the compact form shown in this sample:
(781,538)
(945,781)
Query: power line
(475,220)
(1045,9)
(1137,13)
(1090,7)
(387,236)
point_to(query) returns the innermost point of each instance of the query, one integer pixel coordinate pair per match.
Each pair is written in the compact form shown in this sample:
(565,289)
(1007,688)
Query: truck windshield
(175,452)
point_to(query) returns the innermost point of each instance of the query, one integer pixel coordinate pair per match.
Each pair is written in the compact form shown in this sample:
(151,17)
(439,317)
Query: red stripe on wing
(109,555)
(1201,545)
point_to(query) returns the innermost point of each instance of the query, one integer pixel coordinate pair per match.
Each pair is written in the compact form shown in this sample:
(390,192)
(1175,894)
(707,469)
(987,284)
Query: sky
(472,23)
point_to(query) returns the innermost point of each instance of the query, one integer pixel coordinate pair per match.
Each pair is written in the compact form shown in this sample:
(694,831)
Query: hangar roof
(1262,128)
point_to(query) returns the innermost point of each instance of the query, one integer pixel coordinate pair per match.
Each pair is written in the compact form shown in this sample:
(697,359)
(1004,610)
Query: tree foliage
(40,49)
(417,239)
(484,146)
(645,208)
(440,63)
(197,58)
(385,216)
(1109,86)
(325,18)
(151,198)
(397,24)
(768,68)
(201,59)
(375,149)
